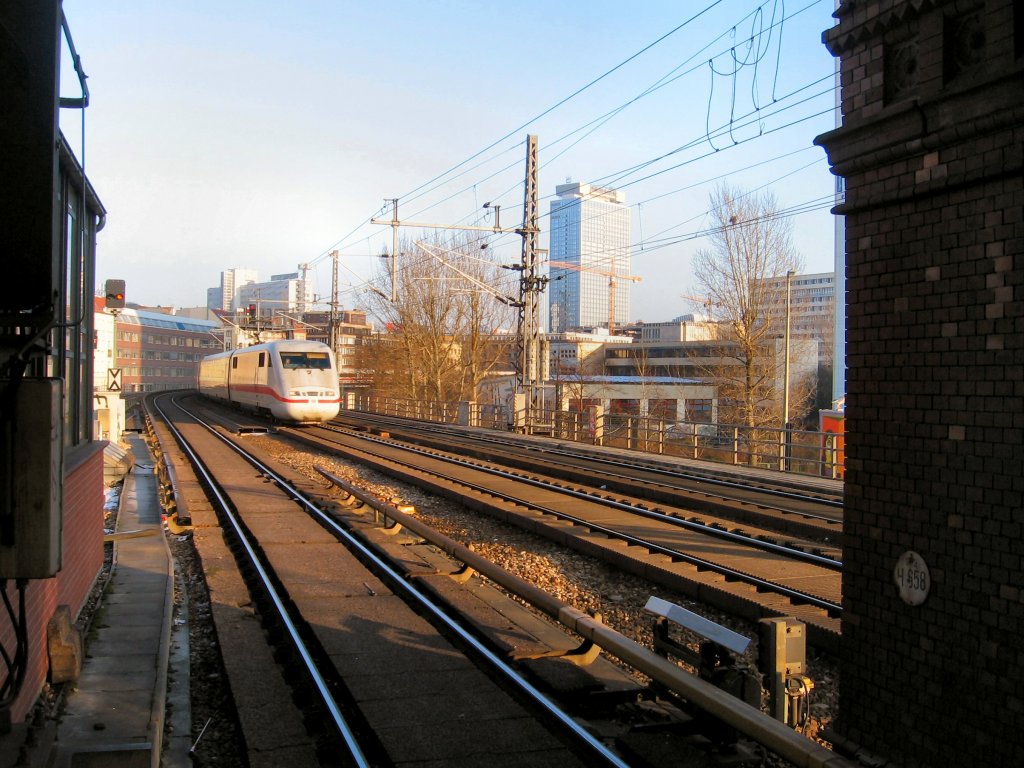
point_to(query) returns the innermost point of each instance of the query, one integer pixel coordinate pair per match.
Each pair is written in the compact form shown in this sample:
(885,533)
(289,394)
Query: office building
(226,297)
(156,351)
(286,293)
(589,252)
(812,309)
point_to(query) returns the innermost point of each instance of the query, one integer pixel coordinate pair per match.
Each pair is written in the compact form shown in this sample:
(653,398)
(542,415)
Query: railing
(788,450)
(440,412)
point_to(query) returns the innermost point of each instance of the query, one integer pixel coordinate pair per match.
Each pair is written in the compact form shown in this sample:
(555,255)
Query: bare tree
(442,335)
(749,250)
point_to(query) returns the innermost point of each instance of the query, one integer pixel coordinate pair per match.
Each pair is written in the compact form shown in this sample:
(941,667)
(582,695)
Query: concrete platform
(114,714)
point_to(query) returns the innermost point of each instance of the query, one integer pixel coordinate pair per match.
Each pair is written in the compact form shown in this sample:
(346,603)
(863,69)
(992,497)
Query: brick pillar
(931,151)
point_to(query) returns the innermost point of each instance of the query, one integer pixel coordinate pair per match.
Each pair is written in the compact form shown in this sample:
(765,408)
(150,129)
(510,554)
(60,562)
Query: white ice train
(293,381)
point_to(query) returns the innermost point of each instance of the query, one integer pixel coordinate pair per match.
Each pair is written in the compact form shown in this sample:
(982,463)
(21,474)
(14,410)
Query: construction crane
(612,276)
(706,301)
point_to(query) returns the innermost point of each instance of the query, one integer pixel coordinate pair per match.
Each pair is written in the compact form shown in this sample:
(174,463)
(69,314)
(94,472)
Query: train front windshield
(316,360)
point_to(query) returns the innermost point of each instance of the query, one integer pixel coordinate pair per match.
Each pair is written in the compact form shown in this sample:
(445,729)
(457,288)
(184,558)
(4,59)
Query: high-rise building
(812,308)
(227,296)
(286,293)
(590,234)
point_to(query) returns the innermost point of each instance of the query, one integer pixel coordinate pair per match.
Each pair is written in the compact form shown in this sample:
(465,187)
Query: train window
(263,360)
(234,362)
(318,360)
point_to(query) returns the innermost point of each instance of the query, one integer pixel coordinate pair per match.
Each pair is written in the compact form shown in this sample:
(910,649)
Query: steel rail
(647,467)
(321,684)
(833,609)
(753,723)
(707,530)
(723,570)
(653,469)
(401,585)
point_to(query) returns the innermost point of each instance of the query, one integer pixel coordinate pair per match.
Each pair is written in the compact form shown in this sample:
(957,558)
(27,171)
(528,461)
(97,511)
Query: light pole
(785,373)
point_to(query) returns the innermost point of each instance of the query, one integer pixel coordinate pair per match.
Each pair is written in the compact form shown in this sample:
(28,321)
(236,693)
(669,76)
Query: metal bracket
(584,654)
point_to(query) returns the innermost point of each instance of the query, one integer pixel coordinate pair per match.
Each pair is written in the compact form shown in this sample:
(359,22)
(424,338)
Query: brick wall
(82,560)
(931,150)
(83,529)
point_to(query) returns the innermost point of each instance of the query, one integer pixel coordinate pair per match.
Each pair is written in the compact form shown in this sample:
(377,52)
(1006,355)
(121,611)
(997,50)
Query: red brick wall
(931,150)
(83,530)
(82,560)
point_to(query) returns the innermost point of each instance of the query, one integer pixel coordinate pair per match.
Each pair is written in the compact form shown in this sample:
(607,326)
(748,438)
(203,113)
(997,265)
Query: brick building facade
(51,465)
(931,150)
(158,352)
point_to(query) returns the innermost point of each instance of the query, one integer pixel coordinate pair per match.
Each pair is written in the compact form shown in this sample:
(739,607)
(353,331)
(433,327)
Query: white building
(590,230)
(286,293)
(684,328)
(576,353)
(812,309)
(226,297)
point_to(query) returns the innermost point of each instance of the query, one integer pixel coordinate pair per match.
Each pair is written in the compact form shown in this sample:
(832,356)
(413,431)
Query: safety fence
(808,452)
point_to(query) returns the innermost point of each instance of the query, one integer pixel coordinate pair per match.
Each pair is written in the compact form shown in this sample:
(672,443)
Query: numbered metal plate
(912,578)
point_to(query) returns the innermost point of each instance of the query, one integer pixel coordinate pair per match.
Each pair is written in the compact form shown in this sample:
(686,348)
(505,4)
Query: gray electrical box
(30,504)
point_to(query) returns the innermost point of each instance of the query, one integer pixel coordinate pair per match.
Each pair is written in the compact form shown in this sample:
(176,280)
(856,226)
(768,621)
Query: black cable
(626,172)
(603,119)
(532,120)
(571,96)
(16,666)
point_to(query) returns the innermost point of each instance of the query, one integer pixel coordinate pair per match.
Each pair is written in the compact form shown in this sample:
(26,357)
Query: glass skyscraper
(590,234)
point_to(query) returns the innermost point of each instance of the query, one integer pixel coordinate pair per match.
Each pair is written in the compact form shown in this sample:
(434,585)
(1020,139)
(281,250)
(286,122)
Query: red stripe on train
(262,389)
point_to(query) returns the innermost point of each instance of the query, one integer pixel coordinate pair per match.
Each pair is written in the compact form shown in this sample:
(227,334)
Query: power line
(407,196)
(625,172)
(603,119)
(568,98)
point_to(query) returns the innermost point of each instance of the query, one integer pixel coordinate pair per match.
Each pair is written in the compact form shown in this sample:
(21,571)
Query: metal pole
(332,336)
(785,383)
(394,250)
(302,296)
(530,285)
(114,365)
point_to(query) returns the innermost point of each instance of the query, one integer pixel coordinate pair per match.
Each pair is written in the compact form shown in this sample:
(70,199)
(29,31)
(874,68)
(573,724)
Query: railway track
(750,573)
(800,506)
(383,685)
(305,583)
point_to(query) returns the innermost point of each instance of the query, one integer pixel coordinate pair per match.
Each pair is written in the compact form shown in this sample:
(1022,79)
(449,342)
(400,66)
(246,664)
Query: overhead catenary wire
(752,117)
(408,196)
(617,178)
(665,80)
(653,243)
(662,82)
(623,180)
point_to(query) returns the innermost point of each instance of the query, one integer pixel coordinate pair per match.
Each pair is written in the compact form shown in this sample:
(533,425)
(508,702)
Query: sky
(264,135)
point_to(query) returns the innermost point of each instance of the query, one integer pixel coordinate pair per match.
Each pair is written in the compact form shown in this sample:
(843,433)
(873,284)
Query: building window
(624,406)
(663,409)
(699,410)
(72,344)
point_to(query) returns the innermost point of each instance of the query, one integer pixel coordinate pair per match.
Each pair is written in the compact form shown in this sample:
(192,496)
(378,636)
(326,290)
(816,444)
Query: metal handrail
(790,450)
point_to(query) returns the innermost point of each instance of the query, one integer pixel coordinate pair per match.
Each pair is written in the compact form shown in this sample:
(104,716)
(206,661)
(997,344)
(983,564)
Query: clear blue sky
(263,134)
